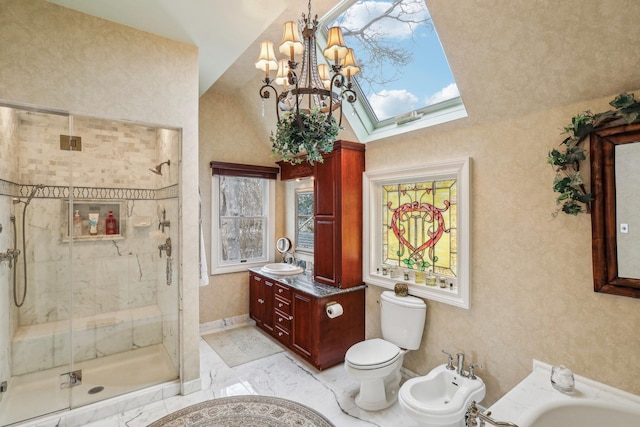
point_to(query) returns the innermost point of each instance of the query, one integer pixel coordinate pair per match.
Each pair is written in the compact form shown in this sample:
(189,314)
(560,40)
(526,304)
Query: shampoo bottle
(93,223)
(77,224)
(110,224)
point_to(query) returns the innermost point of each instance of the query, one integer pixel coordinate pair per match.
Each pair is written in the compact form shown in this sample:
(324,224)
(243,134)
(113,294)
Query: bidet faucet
(449,360)
(472,367)
(460,368)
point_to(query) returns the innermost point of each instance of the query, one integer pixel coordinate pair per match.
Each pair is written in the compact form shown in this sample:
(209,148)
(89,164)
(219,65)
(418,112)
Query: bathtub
(583,413)
(534,403)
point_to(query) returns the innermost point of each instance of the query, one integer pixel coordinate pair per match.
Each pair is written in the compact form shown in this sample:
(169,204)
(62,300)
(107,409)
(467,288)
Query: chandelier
(314,88)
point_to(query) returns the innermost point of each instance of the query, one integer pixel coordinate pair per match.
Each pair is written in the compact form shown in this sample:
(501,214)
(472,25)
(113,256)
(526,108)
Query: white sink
(282,269)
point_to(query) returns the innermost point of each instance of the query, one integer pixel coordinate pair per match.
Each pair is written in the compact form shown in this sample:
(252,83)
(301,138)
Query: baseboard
(407,374)
(228,323)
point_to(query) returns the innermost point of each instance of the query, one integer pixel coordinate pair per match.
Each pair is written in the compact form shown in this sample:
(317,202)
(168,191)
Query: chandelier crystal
(314,86)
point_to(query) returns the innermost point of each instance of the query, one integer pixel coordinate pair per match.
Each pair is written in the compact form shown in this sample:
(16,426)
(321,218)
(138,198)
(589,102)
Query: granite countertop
(311,287)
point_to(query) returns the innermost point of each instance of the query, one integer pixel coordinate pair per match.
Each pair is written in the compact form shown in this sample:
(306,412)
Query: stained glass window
(419,226)
(416,230)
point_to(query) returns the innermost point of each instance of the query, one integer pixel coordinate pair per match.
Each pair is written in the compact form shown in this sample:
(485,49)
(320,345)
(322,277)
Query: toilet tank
(402,319)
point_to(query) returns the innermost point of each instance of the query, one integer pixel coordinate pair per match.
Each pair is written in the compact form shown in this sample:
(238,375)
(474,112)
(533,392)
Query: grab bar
(473,414)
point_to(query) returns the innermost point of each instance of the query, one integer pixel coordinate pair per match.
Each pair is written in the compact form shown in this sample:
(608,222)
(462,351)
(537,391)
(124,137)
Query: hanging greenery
(566,159)
(305,136)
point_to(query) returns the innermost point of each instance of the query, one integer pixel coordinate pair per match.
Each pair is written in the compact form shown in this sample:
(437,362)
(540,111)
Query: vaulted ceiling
(509,58)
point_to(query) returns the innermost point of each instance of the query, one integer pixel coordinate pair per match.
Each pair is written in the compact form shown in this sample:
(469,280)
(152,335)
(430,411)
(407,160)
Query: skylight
(405,82)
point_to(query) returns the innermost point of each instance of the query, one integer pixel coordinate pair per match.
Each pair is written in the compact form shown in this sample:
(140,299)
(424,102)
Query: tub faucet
(460,369)
(475,418)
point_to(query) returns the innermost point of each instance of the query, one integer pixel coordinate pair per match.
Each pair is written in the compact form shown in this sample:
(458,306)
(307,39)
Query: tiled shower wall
(115,291)
(114,154)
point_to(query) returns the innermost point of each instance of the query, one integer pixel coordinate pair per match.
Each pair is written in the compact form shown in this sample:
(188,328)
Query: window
(405,81)
(243,212)
(304,220)
(417,224)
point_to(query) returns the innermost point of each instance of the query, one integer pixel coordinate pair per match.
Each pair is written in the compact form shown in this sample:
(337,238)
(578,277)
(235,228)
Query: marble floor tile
(330,392)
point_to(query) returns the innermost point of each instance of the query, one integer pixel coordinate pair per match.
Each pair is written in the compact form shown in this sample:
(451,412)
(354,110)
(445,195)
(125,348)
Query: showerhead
(158,169)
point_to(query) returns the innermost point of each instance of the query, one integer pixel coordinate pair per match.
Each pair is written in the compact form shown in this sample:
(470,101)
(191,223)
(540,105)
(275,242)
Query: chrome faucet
(472,367)
(475,418)
(166,246)
(449,360)
(163,222)
(460,369)
(11,255)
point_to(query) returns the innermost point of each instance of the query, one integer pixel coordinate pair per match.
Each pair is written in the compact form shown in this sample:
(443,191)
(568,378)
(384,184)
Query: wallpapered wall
(531,282)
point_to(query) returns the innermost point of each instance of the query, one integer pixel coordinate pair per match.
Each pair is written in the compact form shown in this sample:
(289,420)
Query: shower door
(100,310)
(36,297)
(125,284)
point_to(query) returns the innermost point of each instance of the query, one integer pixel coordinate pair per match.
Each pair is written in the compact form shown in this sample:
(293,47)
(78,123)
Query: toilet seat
(372,354)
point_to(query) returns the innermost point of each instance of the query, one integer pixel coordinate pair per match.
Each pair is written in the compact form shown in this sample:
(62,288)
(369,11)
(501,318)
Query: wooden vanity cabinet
(282,317)
(298,320)
(338,216)
(261,301)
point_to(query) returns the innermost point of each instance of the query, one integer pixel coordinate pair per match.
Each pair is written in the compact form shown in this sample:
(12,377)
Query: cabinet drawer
(282,305)
(283,320)
(282,291)
(282,335)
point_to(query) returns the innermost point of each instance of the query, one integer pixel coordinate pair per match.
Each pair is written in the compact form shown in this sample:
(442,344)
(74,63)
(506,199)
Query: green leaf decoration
(573,196)
(623,100)
(304,136)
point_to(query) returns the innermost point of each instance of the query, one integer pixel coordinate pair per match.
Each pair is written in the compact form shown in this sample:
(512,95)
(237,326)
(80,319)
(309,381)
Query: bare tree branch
(383,60)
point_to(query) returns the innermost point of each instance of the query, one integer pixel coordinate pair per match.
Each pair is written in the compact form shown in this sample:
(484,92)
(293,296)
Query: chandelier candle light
(314,93)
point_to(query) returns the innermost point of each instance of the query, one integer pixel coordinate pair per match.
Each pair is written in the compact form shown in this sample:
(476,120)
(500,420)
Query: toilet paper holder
(333,309)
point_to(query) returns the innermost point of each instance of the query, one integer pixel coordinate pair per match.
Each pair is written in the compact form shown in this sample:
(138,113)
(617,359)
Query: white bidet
(441,397)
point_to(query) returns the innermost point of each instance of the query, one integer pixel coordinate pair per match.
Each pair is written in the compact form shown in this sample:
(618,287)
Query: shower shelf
(86,206)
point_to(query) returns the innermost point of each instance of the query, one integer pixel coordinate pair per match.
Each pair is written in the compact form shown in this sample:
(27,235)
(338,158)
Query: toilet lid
(372,352)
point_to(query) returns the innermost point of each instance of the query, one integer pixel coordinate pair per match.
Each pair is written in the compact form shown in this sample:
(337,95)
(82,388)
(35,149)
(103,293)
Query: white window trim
(216,267)
(372,182)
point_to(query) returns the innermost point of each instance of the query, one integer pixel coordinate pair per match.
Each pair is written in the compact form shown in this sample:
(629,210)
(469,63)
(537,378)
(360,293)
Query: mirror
(615,179)
(283,245)
(304,220)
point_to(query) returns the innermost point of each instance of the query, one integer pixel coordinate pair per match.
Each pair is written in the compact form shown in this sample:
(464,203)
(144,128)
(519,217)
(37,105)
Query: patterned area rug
(245,411)
(241,345)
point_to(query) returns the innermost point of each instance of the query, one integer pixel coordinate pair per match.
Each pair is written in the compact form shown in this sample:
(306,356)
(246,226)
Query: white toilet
(376,362)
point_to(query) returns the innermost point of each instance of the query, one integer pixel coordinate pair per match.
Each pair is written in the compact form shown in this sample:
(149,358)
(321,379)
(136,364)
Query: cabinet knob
(290,317)
(280,290)
(280,319)
(258,279)
(279,334)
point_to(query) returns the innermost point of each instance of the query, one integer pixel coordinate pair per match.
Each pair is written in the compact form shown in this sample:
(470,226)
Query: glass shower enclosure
(89,289)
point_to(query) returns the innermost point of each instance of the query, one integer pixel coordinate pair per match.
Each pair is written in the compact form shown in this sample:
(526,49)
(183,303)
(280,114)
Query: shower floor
(39,393)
